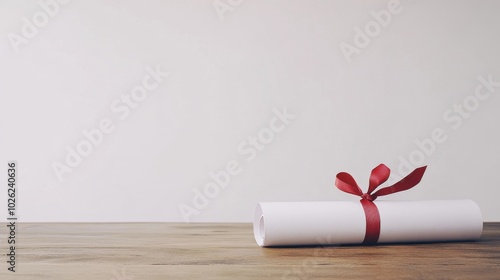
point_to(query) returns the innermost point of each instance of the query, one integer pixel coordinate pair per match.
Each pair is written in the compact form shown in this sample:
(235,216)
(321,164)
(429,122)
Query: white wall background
(227,74)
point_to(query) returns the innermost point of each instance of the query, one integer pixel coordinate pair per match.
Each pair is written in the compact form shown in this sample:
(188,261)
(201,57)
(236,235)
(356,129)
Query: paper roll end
(262,231)
(259,231)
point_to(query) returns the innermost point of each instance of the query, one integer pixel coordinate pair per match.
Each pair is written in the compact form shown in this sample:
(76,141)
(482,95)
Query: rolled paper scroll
(344,222)
(367,222)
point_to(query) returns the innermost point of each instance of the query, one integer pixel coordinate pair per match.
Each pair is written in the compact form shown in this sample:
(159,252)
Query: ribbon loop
(346,183)
(379,175)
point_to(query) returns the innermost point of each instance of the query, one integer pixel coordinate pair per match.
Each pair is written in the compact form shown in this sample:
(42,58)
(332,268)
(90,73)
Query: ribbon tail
(406,183)
(372,217)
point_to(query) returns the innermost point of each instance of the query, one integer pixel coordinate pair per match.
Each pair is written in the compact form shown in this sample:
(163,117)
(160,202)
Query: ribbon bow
(346,183)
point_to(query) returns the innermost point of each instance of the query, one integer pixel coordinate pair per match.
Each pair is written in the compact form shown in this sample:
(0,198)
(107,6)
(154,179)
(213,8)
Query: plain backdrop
(231,65)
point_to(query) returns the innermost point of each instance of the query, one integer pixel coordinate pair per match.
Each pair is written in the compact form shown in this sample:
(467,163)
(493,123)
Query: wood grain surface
(133,251)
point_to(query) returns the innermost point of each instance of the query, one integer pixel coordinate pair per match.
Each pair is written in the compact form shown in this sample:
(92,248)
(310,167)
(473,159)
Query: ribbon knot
(346,183)
(368,196)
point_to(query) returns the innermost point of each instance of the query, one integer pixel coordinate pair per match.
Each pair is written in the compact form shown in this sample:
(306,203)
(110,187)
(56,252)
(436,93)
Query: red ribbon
(345,182)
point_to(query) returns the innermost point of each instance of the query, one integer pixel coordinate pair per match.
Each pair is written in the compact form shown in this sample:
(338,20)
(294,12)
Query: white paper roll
(344,222)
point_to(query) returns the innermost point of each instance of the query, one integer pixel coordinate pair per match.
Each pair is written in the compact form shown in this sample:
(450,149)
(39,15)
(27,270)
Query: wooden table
(128,251)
